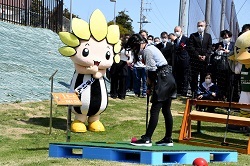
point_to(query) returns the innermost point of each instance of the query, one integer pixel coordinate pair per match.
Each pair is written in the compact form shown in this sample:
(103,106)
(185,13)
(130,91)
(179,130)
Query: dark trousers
(194,78)
(182,75)
(118,86)
(154,117)
(129,81)
(209,108)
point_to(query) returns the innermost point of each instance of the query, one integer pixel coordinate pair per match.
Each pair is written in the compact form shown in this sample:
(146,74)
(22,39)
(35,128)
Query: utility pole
(232,17)
(114,10)
(70,28)
(143,18)
(223,15)
(183,15)
(141,15)
(208,15)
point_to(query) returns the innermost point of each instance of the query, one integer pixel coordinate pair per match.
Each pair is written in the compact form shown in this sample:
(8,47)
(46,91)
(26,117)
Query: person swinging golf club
(160,83)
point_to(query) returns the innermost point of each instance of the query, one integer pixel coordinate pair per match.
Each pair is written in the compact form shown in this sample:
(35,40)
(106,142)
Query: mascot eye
(237,49)
(248,49)
(108,55)
(85,52)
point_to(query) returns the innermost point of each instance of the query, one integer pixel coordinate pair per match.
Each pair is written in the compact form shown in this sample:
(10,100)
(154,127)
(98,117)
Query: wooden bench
(189,115)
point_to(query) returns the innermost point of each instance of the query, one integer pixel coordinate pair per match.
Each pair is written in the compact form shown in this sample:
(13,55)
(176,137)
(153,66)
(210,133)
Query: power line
(156,25)
(161,14)
(240,8)
(159,20)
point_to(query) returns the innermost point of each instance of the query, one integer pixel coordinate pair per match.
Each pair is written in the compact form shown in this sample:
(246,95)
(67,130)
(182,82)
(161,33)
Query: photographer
(223,76)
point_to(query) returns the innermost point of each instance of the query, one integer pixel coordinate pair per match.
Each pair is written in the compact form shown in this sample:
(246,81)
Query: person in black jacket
(164,41)
(222,74)
(119,73)
(181,66)
(200,49)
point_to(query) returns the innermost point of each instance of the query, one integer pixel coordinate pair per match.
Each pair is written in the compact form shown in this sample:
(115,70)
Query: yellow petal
(117,47)
(117,58)
(98,25)
(67,51)
(80,28)
(113,35)
(69,39)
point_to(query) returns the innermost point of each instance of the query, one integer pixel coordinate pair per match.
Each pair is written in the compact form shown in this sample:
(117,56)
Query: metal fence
(197,11)
(37,13)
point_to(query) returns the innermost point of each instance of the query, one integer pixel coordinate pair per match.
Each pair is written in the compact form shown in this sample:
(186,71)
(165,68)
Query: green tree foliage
(66,13)
(124,22)
(36,9)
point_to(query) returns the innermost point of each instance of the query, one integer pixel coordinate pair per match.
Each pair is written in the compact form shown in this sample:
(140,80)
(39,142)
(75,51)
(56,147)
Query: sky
(162,15)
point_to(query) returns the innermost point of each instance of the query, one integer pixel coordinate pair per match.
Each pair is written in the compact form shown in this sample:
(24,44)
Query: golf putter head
(225,144)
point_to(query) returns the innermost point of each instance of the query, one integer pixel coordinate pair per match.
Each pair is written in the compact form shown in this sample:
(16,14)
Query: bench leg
(248,146)
(198,127)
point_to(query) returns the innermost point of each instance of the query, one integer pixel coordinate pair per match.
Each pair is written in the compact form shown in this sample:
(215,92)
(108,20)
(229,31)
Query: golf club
(147,111)
(224,143)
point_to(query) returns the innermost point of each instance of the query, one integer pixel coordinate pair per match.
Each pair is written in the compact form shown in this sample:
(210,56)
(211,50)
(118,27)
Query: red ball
(133,139)
(200,162)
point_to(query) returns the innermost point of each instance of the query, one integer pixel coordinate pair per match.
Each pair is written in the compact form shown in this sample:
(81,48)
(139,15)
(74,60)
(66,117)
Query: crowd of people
(189,58)
(171,65)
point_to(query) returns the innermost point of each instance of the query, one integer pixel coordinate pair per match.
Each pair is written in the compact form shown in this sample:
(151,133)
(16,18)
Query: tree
(36,10)
(124,22)
(66,14)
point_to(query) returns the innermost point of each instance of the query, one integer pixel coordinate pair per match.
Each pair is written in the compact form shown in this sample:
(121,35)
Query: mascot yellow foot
(78,127)
(96,126)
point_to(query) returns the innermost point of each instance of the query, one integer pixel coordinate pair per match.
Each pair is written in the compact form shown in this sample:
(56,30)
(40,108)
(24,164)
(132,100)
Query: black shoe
(122,98)
(142,142)
(165,142)
(113,96)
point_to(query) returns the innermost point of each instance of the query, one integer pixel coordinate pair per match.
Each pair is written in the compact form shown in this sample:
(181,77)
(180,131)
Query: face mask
(208,81)
(164,40)
(200,29)
(157,42)
(169,40)
(177,34)
(150,42)
(226,41)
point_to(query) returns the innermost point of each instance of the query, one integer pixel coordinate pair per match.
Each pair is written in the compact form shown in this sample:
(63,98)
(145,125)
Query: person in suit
(200,48)
(168,51)
(164,41)
(157,40)
(245,27)
(181,66)
(223,76)
(150,39)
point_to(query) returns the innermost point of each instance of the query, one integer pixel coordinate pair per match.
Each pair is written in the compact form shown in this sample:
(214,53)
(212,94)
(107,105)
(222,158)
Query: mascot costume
(241,65)
(92,48)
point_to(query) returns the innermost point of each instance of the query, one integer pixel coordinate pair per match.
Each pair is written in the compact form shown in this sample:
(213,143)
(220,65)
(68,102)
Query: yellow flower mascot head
(93,48)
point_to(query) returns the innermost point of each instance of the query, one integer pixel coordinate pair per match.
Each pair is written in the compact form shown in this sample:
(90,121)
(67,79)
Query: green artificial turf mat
(127,145)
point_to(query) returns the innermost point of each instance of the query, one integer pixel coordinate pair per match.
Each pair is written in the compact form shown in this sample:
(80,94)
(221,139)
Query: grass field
(24,131)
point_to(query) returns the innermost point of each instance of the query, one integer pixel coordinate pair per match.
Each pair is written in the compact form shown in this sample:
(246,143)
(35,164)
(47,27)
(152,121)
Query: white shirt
(125,55)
